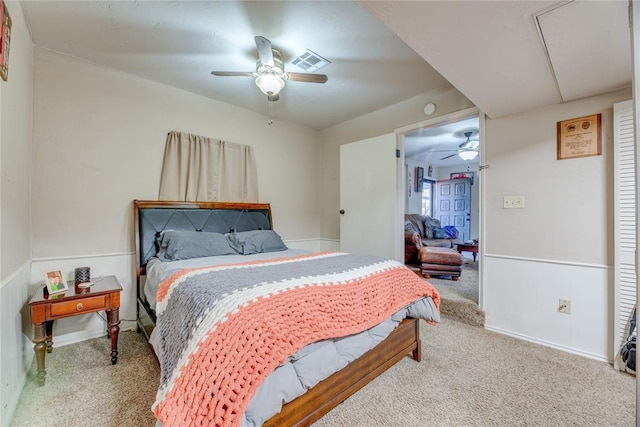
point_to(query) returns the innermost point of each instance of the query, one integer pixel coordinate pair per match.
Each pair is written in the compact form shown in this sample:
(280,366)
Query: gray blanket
(224,329)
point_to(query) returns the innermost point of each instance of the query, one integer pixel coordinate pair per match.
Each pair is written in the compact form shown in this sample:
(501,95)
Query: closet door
(624,222)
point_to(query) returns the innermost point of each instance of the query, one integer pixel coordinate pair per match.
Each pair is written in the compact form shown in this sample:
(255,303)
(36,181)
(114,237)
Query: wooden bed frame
(327,394)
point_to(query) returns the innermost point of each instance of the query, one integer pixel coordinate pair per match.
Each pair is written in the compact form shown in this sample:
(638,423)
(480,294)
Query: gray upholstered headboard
(152,217)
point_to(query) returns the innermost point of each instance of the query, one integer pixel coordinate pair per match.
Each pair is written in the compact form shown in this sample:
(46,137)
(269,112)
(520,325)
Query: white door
(453,205)
(369,221)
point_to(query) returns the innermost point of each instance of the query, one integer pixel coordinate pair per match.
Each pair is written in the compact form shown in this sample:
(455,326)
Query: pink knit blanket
(223,329)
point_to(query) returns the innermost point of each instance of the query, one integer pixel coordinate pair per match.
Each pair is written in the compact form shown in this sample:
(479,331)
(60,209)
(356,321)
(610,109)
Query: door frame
(440,120)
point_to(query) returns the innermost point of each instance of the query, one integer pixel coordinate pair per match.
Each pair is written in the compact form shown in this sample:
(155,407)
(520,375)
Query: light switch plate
(513,202)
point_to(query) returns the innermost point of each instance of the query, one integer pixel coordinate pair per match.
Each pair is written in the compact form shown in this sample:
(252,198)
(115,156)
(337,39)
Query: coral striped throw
(223,329)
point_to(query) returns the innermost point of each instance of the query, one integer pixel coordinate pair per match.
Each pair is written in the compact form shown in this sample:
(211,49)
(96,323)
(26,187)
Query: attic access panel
(588,46)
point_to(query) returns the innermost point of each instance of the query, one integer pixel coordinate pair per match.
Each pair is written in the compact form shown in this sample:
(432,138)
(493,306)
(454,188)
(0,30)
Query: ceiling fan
(468,150)
(270,75)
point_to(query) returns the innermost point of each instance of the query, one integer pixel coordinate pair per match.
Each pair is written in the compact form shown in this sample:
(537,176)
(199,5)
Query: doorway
(440,155)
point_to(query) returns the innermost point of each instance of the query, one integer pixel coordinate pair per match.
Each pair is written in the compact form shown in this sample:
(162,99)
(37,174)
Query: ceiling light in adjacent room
(468,154)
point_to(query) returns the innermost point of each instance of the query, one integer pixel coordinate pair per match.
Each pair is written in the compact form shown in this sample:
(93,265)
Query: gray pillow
(409,226)
(176,245)
(439,233)
(256,241)
(429,225)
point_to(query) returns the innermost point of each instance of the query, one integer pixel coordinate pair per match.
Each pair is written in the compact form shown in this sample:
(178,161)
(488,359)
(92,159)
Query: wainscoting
(16,351)
(314,245)
(521,298)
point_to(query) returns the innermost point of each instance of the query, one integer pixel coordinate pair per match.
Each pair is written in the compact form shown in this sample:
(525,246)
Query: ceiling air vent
(310,61)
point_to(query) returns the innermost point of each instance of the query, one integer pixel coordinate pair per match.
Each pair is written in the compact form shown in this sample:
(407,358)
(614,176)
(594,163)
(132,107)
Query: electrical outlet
(513,202)
(564,306)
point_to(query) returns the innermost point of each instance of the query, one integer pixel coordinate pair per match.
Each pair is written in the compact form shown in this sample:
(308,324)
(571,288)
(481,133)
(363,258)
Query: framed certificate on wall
(579,137)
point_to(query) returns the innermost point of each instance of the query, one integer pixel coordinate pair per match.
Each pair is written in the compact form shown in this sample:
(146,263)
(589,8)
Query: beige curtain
(197,168)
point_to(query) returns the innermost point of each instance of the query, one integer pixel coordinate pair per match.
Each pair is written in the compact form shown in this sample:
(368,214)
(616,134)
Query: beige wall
(15,148)
(383,121)
(99,137)
(15,208)
(568,203)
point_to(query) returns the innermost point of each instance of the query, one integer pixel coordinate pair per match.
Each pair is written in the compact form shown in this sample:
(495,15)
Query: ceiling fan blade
(469,145)
(306,77)
(265,52)
(233,74)
(444,158)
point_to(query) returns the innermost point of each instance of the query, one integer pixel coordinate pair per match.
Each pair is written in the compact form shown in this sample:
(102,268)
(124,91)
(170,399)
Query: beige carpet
(468,377)
(459,298)
(83,389)
(473,377)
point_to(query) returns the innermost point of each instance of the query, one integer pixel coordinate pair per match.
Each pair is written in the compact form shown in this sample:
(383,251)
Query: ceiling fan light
(269,84)
(468,155)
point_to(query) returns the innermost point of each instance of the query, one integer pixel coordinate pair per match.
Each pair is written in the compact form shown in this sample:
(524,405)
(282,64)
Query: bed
(201,332)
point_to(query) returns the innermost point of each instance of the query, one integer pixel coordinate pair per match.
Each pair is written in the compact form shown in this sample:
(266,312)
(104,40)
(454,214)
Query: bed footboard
(332,391)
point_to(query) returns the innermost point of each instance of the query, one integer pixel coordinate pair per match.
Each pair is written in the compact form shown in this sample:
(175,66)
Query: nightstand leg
(39,347)
(113,326)
(49,339)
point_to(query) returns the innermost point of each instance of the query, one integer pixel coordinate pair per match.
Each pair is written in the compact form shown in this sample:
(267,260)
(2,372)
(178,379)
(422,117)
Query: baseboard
(547,344)
(75,337)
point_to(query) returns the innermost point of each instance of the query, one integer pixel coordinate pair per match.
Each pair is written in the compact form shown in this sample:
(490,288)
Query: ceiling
(505,56)
(439,145)
(513,56)
(179,43)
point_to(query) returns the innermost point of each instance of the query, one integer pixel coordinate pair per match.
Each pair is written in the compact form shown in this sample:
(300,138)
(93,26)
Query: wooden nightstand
(103,295)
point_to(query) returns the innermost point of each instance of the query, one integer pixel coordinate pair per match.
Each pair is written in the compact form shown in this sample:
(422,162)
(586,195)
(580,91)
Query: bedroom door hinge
(397,153)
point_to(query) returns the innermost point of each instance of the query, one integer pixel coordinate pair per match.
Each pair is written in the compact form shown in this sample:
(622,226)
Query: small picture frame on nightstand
(55,282)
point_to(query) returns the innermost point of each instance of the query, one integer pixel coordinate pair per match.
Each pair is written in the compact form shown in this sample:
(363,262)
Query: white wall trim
(550,261)
(114,254)
(314,245)
(300,240)
(14,275)
(331,241)
(547,344)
